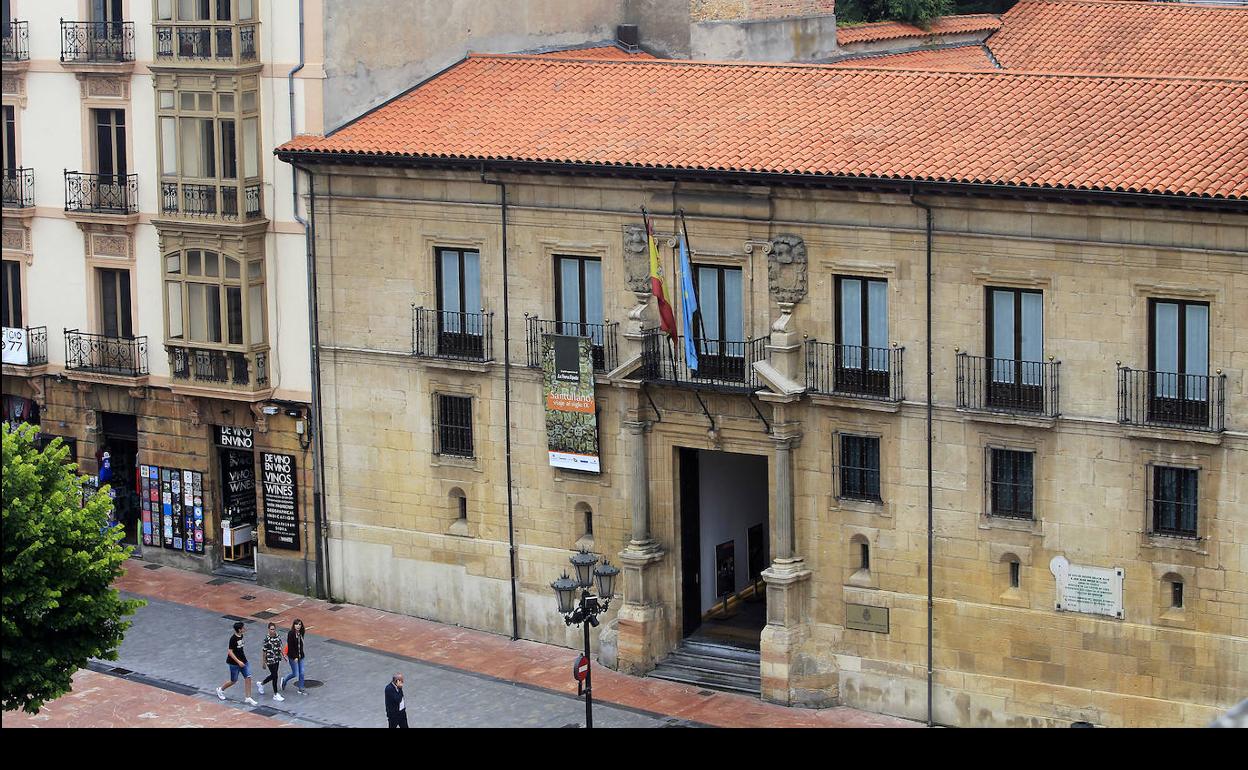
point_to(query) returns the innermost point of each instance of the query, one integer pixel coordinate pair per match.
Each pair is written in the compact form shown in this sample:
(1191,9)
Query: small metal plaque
(863,617)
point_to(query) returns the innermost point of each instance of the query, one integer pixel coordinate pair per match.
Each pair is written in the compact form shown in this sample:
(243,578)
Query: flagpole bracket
(705,411)
(658,416)
(749,397)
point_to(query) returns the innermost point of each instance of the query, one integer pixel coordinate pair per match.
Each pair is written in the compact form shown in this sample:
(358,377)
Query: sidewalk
(525,663)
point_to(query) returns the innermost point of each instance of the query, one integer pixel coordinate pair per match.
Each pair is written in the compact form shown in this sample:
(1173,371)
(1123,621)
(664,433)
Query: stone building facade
(401,539)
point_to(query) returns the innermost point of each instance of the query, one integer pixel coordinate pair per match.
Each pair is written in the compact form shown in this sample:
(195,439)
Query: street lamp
(585,612)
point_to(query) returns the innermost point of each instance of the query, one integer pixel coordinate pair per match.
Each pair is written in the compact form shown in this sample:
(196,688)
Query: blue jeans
(296,669)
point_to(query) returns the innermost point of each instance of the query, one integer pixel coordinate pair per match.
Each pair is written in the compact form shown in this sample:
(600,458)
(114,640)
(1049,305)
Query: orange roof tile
(597,52)
(1175,136)
(1096,36)
(892,30)
(955,59)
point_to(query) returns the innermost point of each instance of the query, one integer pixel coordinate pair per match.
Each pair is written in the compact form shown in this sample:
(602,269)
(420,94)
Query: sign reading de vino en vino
(281,517)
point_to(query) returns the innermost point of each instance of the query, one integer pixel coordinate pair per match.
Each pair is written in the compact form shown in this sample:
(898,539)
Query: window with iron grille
(1174,501)
(1012,484)
(453,425)
(860,468)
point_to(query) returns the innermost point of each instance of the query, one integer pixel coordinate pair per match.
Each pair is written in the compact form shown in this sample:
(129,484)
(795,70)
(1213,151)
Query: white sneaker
(220,693)
(278,696)
(259,689)
(250,702)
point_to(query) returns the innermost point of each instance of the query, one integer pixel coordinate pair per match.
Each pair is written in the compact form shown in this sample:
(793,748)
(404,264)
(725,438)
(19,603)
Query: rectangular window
(862,356)
(860,468)
(168,147)
(1012,483)
(173,295)
(229,150)
(578,297)
(198,148)
(461,323)
(12,294)
(114,287)
(454,425)
(1174,501)
(1015,574)
(719,323)
(1015,331)
(10,141)
(1179,360)
(251,147)
(110,145)
(1176,595)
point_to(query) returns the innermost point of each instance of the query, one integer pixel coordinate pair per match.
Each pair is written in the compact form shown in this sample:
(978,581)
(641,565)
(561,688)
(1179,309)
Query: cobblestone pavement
(455,676)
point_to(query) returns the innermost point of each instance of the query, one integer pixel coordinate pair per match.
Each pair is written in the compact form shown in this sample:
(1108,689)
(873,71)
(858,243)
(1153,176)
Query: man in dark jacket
(396,707)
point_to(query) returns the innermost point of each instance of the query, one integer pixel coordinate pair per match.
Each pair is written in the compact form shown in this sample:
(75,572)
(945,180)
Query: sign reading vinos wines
(281,514)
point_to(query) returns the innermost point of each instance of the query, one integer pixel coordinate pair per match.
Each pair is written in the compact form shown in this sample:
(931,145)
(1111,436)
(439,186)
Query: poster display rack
(172,508)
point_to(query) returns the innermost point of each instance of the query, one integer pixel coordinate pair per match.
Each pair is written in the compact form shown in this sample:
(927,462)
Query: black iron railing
(15,45)
(1172,400)
(450,334)
(253,208)
(36,343)
(97,41)
(218,367)
(722,365)
(854,370)
(197,42)
(1009,386)
(19,187)
(208,200)
(122,356)
(101,193)
(602,340)
(247,42)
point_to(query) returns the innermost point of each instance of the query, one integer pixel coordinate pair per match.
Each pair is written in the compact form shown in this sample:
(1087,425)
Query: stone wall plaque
(864,617)
(1091,590)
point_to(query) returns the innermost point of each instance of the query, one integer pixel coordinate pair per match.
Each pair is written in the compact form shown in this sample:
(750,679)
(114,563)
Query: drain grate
(248,598)
(152,566)
(219,581)
(335,608)
(310,683)
(265,711)
(237,618)
(119,671)
(264,614)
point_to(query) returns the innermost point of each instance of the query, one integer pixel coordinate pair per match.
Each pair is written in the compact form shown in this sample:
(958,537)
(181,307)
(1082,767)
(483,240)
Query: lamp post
(585,612)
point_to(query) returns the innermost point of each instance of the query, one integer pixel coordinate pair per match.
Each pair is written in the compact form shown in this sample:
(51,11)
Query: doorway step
(236,571)
(713,666)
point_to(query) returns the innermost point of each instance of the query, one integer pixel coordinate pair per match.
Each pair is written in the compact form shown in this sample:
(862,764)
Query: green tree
(60,560)
(920,12)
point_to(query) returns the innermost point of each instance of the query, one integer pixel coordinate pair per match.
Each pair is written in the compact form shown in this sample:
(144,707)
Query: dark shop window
(1012,484)
(860,468)
(454,427)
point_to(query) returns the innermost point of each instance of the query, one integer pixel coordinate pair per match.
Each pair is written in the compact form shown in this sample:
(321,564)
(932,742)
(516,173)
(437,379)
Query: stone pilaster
(640,619)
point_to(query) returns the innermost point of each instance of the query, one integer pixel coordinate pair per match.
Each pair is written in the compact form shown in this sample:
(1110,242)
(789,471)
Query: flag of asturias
(667,321)
(688,299)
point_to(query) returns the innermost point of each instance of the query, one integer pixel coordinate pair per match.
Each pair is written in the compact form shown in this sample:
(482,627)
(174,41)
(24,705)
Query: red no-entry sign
(580,669)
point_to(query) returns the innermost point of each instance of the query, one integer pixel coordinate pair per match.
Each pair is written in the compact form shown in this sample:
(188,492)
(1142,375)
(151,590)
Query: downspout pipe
(315,423)
(511,523)
(930,487)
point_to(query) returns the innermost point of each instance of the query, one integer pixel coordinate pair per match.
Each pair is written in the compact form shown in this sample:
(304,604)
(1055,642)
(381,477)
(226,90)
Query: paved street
(174,656)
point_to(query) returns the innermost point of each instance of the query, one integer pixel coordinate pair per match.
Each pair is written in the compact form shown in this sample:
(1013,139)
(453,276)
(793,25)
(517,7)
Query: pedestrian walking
(295,654)
(272,660)
(236,659)
(396,706)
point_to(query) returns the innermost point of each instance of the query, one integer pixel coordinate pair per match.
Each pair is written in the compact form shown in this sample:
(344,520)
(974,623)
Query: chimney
(627,37)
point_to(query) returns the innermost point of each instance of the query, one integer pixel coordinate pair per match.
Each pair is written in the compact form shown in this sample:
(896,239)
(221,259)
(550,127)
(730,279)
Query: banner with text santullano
(571,415)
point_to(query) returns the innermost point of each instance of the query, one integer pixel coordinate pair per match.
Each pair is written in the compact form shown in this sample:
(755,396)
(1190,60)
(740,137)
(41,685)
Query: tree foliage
(60,560)
(920,12)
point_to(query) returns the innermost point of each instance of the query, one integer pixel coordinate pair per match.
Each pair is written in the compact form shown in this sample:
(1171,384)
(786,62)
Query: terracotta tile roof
(1124,38)
(1177,136)
(597,52)
(892,30)
(956,59)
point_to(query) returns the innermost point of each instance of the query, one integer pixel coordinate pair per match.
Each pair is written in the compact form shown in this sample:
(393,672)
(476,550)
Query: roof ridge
(1133,3)
(844,66)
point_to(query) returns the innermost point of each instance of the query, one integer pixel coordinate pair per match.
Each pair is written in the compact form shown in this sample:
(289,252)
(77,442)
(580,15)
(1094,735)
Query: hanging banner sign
(571,414)
(16,349)
(281,512)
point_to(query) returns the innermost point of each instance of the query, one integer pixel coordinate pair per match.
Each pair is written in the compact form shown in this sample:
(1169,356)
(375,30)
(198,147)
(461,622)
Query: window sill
(1032,526)
(1193,544)
(1002,418)
(854,402)
(1013,597)
(454,461)
(1176,617)
(1174,434)
(861,578)
(455,364)
(459,528)
(875,507)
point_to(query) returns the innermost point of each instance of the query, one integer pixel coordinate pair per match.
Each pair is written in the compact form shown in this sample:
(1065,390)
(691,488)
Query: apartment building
(1076,358)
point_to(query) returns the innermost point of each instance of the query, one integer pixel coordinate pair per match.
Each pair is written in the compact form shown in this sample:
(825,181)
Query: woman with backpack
(272,660)
(295,654)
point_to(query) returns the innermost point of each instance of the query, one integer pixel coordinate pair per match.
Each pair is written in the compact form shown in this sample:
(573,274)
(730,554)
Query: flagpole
(684,229)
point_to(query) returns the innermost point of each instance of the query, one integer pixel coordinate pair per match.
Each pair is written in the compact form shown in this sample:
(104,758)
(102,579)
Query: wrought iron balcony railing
(451,334)
(223,43)
(97,41)
(101,193)
(722,365)
(121,356)
(1009,386)
(26,346)
(602,340)
(854,371)
(15,45)
(1172,400)
(231,369)
(19,187)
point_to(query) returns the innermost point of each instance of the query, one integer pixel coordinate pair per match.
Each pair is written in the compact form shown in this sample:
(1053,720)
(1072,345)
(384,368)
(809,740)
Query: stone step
(702,667)
(718,650)
(717,665)
(706,681)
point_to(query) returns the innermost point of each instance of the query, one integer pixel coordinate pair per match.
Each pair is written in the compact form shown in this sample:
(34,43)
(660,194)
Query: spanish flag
(667,321)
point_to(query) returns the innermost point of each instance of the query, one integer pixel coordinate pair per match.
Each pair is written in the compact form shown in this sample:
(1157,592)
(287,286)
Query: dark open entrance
(117,460)
(724,546)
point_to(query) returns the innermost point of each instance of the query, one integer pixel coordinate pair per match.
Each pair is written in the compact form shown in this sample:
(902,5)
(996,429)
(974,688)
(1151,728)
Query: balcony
(219,369)
(602,336)
(211,201)
(1172,400)
(97,354)
(15,45)
(1009,386)
(722,365)
(18,185)
(101,193)
(452,335)
(26,346)
(854,371)
(97,42)
(200,44)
